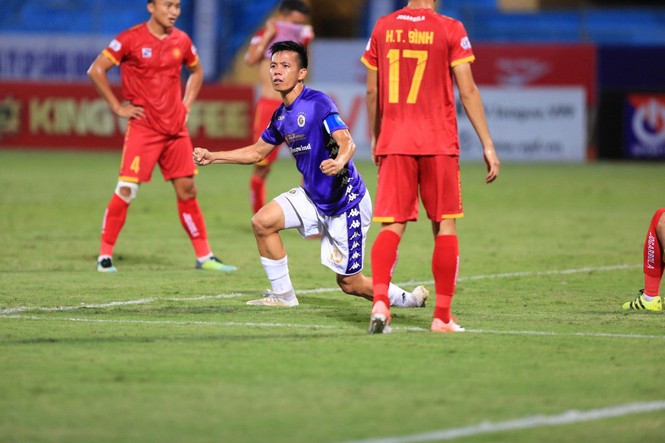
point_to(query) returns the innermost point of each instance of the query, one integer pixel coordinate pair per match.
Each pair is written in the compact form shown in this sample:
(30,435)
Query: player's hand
(331,167)
(202,156)
(492,162)
(271,29)
(129,111)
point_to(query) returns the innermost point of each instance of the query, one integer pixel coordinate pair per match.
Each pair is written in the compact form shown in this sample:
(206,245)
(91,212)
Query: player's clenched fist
(201,156)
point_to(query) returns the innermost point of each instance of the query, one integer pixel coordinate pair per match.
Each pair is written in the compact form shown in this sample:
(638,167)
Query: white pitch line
(315,326)
(536,421)
(19,309)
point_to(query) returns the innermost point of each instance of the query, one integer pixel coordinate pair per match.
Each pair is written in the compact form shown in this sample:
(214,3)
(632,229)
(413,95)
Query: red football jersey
(285,31)
(150,72)
(414,51)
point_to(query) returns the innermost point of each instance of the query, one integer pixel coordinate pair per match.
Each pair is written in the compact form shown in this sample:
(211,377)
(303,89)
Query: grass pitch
(160,352)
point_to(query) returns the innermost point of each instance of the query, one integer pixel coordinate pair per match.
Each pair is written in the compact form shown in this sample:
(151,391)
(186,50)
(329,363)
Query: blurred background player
(333,201)
(412,56)
(150,56)
(654,263)
(288,24)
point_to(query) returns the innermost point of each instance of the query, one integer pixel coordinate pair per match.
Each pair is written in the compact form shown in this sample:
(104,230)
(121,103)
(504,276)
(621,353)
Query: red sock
(384,259)
(114,218)
(257,192)
(445,264)
(653,258)
(192,220)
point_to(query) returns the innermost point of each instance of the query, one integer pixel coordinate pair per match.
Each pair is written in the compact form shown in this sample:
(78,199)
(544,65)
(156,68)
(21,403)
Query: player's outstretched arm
(243,156)
(346,150)
(473,105)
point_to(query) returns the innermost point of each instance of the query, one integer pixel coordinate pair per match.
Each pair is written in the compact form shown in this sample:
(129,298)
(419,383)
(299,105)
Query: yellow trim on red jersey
(194,63)
(128,179)
(448,216)
(468,59)
(110,56)
(368,64)
(384,219)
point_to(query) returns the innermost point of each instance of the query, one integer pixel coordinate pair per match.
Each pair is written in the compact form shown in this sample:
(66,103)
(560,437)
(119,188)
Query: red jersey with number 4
(414,51)
(150,72)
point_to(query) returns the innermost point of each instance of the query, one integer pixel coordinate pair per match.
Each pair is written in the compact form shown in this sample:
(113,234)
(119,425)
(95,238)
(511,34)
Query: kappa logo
(146,52)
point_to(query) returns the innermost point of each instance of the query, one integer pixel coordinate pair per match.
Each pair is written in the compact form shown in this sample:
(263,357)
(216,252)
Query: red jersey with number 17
(414,51)
(150,71)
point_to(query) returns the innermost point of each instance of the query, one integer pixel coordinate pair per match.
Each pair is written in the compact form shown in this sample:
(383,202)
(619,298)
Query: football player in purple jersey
(333,201)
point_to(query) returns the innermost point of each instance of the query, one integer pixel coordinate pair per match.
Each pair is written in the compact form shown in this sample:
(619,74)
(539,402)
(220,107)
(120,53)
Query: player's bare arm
(372,110)
(98,74)
(242,156)
(193,86)
(346,150)
(255,51)
(473,105)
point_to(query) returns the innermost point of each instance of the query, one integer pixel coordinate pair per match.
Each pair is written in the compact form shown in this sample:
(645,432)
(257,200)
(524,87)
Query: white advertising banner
(536,124)
(529,124)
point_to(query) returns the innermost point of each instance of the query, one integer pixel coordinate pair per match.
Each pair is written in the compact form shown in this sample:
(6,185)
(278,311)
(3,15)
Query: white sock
(399,297)
(648,297)
(204,258)
(277,272)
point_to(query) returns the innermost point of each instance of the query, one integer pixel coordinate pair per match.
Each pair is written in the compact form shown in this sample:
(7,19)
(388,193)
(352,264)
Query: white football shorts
(342,236)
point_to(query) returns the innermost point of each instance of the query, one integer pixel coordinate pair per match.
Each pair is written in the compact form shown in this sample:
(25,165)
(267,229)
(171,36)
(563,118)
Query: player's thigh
(176,158)
(343,238)
(441,186)
(397,190)
(140,153)
(299,212)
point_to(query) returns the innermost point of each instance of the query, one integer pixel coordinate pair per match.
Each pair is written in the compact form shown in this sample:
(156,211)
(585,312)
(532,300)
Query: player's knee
(127,190)
(261,224)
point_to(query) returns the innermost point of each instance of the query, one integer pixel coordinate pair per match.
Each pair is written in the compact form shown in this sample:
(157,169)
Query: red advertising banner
(74,116)
(536,65)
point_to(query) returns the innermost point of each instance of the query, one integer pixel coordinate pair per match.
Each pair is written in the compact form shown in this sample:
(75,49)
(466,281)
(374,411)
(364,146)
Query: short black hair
(289,45)
(293,5)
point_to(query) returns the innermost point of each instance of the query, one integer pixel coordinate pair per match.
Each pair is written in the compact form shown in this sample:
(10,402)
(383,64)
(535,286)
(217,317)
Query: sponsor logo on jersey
(411,18)
(115,45)
(146,52)
(299,149)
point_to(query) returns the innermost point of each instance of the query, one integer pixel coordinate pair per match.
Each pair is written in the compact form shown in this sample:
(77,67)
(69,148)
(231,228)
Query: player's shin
(192,220)
(445,265)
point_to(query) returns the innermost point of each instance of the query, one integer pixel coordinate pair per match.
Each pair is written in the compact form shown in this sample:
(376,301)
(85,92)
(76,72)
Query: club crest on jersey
(176,53)
(146,52)
(301,120)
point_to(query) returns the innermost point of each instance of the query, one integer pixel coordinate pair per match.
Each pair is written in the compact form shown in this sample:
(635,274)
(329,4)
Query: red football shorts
(144,148)
(265,108)
(400,176)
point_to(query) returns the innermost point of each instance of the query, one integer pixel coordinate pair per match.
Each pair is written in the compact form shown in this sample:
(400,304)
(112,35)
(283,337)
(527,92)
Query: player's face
(164,12)
(285,71)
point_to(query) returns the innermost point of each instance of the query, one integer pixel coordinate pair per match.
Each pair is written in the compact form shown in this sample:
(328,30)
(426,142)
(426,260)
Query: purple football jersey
(306,126)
